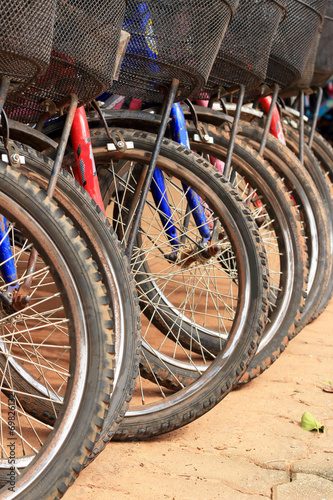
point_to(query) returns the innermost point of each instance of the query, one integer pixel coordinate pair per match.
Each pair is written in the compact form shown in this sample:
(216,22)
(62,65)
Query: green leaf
(309,423)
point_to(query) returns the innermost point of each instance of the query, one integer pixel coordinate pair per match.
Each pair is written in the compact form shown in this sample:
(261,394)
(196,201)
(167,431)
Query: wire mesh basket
(306,78)
(86,38)
(293,41)
(244,52)
(304,83)
(324,59)
(171,39)
(25,39)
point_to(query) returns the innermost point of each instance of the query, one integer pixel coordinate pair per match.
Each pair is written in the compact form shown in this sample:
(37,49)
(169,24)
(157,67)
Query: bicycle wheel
(119,287)
(322,183)
(312,211)
(198,292)
(310,164)
(62,338)
(323,152)
(282,235)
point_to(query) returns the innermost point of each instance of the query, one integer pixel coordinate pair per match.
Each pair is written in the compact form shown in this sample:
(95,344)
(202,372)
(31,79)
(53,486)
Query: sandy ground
(251,446)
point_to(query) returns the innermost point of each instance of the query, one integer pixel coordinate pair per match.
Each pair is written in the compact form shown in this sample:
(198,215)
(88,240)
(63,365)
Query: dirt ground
(251,446)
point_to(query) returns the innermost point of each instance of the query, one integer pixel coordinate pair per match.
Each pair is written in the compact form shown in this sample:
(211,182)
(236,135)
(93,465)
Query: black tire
(312,210)
(319,163)
(116,277)
(288,236)
(86,366)
(323,152)
(310,164)
(168,412)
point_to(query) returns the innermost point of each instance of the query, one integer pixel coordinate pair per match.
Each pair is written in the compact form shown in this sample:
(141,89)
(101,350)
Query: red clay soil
(251,446)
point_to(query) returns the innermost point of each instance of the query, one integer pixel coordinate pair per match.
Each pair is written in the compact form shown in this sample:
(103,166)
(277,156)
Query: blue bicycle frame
(7,266)
(158,189)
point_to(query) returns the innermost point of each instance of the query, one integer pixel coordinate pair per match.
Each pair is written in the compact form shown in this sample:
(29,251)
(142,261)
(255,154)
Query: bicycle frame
(84,168)
(180,135)
(276,128)
(85,173)
(8,268)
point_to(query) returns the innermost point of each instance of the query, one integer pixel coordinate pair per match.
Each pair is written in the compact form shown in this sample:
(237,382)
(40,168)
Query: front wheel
(62,339)
(282,235)
(187,290)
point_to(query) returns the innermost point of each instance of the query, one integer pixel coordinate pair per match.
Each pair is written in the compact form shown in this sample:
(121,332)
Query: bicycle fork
(84,169)
(158,188)
(16,294)
(7,266)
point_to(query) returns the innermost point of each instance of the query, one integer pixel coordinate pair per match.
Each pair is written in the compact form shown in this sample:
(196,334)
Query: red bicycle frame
(84,168)
(276,128)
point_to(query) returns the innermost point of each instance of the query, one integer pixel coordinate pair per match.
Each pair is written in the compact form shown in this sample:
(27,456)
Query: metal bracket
(123,42)
(12,157)
(208,139)
(287,111)
(117,137)
(72,100)
(50,107)
(227,164)
(202,132)
(119,141)
(248,113)
(113,147)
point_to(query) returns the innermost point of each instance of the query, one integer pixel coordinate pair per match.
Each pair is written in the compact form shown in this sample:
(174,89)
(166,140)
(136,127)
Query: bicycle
(57,361)
(250,274)
(178,132)
(283,68)
(137,422)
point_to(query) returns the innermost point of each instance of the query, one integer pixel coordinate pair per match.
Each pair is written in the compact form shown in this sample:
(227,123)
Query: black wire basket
(86,38)
(324,60)
(171,39)
(244,52)
(294,40)
(26,36)
(305,81)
